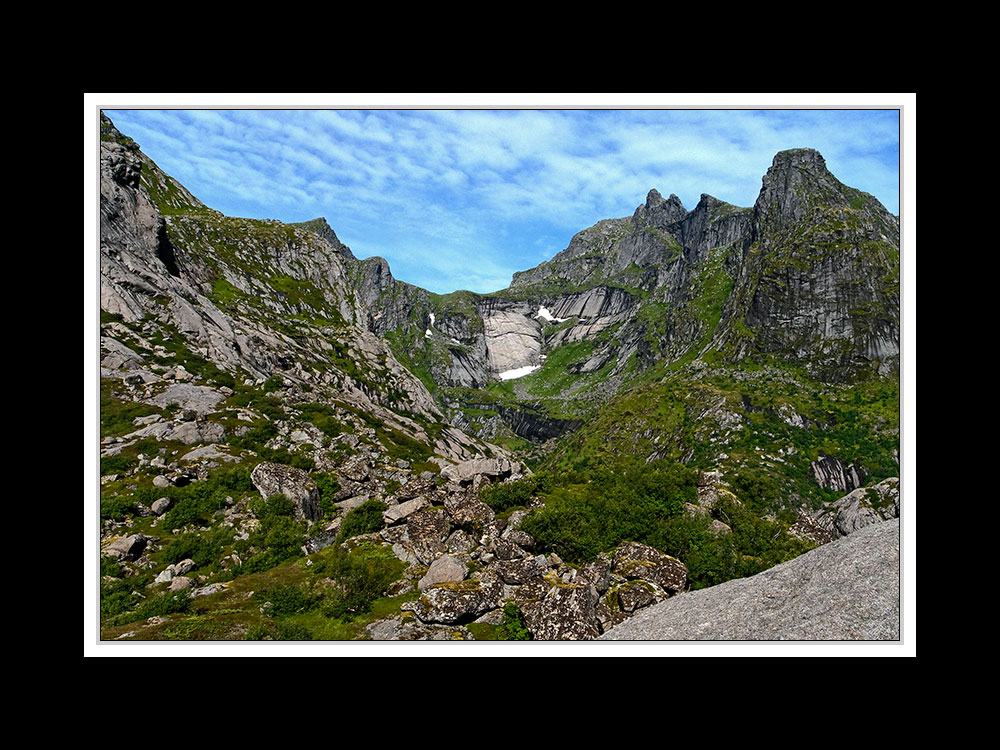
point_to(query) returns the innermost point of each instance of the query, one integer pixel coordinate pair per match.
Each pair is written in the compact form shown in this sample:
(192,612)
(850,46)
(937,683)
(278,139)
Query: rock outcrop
(860,508)
(295,484)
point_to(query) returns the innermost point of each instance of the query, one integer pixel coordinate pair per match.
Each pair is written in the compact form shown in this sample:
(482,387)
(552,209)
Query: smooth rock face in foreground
(845,590)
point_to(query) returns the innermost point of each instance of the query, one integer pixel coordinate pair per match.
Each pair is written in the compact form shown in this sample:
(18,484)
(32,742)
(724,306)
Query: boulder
(493,468)
(566,613)
(199,398)
(180,582)
(406,629)
(415,488)
(468,511)
(847,590)
(397,513)
(445,569)
(127,548)
(426,532)
(295,484)
(520,571)
(457,602)
(639,561)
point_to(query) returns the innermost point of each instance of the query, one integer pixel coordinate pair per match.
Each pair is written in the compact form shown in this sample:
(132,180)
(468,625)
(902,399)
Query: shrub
(278,538)
(621,500)
(365,519)
(507,495)
(328,488)
(361,575)
(286,600)
(204,548)
(116,507)
(292,631)
(512,628)
(757,490)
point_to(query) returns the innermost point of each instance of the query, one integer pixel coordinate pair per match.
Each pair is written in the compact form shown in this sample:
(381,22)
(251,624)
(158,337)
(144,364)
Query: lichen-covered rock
(399,512)
(199,398)
(408,629)
(639,561)
(459,542)
(457,602)
(356,469)
(597,573)
(806,527)
(567,612)
(426,532)
(415,488)
(295,484)
(519,571)
(633,595)
(468,511)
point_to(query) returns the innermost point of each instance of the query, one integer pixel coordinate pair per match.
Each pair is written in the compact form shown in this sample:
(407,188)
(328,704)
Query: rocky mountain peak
(800,158)
(659,212)
(322,227)
(797,181)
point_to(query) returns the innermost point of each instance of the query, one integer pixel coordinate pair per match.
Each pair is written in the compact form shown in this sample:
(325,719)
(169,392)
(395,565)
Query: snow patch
(543,312)
(427,333)
(520,372)
(432,318)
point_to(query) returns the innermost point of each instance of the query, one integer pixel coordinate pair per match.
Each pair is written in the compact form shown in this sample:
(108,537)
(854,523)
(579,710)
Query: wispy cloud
(463,198)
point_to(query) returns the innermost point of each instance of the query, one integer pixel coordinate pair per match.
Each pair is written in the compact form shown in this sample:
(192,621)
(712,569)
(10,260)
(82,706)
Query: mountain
(290,435)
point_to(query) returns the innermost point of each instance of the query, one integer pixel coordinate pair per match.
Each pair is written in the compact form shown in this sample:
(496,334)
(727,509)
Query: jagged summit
(659,212)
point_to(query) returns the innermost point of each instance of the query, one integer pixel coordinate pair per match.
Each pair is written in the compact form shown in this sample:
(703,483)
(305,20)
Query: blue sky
(461,198)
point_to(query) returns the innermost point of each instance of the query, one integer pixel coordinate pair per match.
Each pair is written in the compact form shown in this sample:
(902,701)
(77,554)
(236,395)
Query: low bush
(278,538)
(593,511)
(360,576)
(281,600)
(507,495)
(204,548)
(512,627)
(365,519)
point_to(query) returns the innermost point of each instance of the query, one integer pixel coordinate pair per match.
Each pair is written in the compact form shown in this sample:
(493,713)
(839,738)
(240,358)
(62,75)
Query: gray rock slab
(200,398)
(847,590)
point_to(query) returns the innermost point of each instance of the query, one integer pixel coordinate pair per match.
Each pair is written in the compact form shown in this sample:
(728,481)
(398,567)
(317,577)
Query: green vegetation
(278,538)
(198,502)
(118,413)
(593,511)
(507,495)
(621,499)
(512,627)
(365,519)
